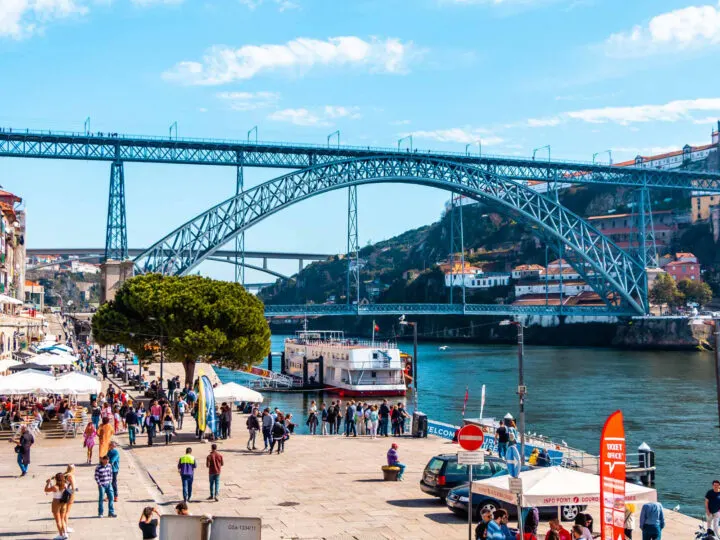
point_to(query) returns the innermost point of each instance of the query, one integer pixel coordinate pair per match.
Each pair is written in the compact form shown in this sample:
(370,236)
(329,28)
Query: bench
(390,473)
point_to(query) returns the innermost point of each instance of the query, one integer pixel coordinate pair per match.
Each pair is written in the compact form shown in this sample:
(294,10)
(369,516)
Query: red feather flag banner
(467,395)
(612,478)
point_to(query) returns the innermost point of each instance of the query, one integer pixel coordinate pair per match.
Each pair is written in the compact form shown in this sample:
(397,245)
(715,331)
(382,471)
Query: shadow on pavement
(444,517)
(415,503)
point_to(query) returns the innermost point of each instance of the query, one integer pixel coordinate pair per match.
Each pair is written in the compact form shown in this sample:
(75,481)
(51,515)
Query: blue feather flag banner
(210,416)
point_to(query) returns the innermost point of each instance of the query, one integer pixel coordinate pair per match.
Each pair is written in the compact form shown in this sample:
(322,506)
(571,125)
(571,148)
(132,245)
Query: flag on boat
(376,328)
(467,395)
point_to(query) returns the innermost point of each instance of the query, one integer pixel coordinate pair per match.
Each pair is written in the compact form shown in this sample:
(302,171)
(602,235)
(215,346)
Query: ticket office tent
(556,486)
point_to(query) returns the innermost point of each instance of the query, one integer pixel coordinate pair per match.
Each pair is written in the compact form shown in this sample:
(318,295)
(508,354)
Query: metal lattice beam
(324,310)
(116,246)
(353,249)
(84,146)
(614,270)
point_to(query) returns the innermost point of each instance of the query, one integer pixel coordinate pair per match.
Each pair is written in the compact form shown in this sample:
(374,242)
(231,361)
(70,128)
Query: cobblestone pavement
(321,487)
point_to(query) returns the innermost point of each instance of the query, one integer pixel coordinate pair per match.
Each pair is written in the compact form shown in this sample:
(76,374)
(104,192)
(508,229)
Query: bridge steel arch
(613,272)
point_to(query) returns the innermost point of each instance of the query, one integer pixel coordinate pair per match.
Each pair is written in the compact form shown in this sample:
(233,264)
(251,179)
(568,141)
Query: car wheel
(485,505)
(569,513)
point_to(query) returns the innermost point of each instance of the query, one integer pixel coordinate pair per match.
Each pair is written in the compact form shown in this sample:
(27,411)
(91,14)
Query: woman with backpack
(279,434)
(59,502)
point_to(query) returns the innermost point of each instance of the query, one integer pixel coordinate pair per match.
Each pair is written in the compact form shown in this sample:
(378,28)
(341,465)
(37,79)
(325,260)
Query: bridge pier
(116,247)
(112,275)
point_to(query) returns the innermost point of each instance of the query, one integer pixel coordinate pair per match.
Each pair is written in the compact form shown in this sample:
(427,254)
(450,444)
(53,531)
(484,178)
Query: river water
(667,398)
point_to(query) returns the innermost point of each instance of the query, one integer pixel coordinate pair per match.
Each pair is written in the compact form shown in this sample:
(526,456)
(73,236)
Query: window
(373,374)
(375,356)
(684,268)
(435,465)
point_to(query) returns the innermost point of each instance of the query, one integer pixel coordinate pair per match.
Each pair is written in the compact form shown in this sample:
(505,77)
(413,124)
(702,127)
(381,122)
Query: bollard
(646,460)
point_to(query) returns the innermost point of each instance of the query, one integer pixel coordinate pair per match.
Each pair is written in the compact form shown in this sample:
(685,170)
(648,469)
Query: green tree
(664,291)
(192,317)
(695,291)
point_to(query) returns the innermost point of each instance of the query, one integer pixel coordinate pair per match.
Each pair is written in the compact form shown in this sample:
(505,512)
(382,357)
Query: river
(667,398)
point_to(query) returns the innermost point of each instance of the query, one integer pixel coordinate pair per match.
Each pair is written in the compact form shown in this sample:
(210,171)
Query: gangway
(264,379)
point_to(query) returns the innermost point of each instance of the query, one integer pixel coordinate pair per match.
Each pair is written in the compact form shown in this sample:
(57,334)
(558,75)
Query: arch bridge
(619,277)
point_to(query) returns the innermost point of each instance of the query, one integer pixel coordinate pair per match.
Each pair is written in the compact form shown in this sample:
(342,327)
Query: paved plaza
(321,487)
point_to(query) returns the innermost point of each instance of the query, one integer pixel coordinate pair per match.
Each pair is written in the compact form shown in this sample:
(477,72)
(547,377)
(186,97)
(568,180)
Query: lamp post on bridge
(609,153)
(467,147)
(406,138)
(254,129)
(334,134)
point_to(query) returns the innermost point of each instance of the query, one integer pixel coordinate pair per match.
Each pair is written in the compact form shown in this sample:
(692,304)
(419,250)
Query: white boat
(349,367)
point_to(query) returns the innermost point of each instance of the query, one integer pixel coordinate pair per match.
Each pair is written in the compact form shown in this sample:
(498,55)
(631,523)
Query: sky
(610,77)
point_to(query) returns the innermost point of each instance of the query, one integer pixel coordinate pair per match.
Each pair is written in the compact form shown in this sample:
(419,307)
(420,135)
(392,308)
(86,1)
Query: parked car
(457,500)
(442,473)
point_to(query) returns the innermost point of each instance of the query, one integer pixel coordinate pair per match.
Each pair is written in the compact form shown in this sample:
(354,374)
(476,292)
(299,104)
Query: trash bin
(419,424)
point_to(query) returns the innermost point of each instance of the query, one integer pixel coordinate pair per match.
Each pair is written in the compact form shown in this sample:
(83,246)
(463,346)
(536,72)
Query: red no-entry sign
(470,437)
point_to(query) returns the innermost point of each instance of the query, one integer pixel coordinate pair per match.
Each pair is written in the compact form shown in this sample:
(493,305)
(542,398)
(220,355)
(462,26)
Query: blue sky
(583,76)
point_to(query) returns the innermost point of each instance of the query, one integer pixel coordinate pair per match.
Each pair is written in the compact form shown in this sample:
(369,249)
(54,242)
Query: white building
(84,268)
(565,287)
(528,271)
(474,278)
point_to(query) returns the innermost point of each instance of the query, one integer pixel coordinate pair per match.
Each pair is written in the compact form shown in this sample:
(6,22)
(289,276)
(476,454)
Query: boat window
(375,356)
(373,374)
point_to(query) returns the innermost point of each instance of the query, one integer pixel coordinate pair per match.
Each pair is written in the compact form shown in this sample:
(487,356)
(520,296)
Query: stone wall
(664,333)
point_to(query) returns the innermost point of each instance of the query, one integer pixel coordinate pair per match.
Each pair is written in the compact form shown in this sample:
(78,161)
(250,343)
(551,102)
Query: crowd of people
(357,418)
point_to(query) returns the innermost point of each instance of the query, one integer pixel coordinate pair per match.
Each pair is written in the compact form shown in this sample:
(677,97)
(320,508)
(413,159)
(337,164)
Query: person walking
(629,520)
(105,434)
(181,408)
(114,460)
(267,425)
(393,460)
(56,486)
(89,436)
(498,525)
(95,415)
(279,433)
(502,438)
(253,426)
(324,420)
(338,416)
(331,418)
(132,421)
(652,521)
(168,425)
(214,463)
(186,468)
(149,524)
(24,441)
(312,420)
(103,478)
(712,508)
(71,489)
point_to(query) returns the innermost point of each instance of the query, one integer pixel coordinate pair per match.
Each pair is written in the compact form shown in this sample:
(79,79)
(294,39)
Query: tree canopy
(191,317)
(695,291)
(665,291)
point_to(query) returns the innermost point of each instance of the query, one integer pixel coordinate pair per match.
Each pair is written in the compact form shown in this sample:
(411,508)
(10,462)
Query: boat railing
(345,343)
(370,364)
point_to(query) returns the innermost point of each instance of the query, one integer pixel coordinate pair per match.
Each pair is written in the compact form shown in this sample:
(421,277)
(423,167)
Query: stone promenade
(321,487)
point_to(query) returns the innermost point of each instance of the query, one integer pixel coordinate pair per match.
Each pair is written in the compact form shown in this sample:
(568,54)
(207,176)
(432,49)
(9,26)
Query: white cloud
(709,120)
(315,117)
(465,135)
(222,64)
(282,5)
(400,123)
(22,18)
(673,111)
(249,101)
(688,28)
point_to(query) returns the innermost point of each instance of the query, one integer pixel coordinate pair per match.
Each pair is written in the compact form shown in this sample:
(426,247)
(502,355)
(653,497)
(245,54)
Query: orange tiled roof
(682,255)
(7,194)
(29,283)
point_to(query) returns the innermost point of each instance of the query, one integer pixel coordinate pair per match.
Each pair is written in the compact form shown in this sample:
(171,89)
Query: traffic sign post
(470,438)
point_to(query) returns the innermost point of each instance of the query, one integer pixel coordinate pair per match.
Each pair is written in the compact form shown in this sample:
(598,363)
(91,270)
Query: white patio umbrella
(77,383)
(54,359)
(556,486)
(236,392)
(29,381)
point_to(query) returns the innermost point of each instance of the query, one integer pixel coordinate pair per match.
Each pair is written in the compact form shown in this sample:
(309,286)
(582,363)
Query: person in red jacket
(562,533)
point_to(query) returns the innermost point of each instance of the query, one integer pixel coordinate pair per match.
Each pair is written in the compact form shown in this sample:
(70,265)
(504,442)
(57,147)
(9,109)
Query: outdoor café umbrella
(54,360)
(77,383)
(556,486)
(7,364)
(236,392)
(29,365)
(29,381)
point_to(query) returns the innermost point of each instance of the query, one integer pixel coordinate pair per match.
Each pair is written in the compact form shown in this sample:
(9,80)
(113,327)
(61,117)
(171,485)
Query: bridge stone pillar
(112,275)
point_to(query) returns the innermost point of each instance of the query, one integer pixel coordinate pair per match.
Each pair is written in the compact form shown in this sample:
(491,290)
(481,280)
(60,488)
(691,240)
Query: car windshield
(435,465)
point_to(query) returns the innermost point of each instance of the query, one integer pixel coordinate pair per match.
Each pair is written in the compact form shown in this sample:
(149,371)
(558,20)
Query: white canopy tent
(47,359)
(55,347)
(29,381)
(556,486)
(77,383)
(7,364)
(236,392)
(5,299)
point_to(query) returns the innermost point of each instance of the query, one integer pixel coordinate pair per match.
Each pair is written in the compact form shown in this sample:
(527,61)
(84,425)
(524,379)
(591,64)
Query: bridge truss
(618,277)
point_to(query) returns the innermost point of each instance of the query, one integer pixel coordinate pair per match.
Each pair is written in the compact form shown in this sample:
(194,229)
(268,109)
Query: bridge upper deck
(114,147)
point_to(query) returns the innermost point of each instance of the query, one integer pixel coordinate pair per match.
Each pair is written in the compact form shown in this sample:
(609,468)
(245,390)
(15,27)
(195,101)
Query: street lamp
(162,351)
(522,390)
(403,322)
